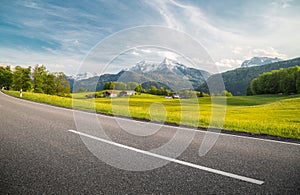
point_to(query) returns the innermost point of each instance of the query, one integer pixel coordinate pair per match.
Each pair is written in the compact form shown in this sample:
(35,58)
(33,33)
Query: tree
(106,85)
(188,94)
(81,89)
(21,78)
(226,93)
(5,77)
(249,91)
(120,86)
(153,90)
(139,89)
(61,85)
(39,77)
(297,76)
(254,87)
(132,85)
(109,85)
(49,84)
(202,94)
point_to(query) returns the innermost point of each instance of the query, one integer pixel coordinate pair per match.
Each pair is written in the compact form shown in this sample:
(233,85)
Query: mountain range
(177,76)
(258,61)
(169,73)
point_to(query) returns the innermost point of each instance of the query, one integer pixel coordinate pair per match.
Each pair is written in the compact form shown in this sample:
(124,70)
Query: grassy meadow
(277,115)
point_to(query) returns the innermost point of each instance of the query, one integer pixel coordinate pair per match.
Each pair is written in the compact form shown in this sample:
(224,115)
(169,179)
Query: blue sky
(60,34)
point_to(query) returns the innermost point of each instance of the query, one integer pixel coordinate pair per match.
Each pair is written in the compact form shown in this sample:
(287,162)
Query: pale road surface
(41,152)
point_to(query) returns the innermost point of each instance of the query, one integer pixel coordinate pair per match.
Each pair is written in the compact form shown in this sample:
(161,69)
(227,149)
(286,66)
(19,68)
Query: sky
(107,36)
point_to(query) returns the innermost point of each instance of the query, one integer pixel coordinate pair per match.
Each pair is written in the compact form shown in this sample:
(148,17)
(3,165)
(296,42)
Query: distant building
(110,94)
(127,93)
(175,96)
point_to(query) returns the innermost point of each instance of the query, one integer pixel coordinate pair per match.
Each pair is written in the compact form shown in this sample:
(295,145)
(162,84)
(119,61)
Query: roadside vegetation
(276,115)
(38,80)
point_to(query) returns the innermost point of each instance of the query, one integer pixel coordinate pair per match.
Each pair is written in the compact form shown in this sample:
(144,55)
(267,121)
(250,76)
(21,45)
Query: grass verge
(266,114)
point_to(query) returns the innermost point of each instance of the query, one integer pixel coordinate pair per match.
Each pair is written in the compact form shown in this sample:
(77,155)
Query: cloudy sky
(66,35)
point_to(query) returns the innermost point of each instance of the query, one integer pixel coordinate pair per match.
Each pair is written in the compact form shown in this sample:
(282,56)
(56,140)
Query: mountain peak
(147,67)
(167,61)
(143,67)
(258,61)
(84,75)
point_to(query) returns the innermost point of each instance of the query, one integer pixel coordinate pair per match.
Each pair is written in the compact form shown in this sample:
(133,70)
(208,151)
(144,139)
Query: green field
(276,115)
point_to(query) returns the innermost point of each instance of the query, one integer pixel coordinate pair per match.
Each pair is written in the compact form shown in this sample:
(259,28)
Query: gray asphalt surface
(39,155)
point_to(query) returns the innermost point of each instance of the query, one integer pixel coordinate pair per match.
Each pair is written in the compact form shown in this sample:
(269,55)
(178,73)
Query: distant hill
(259,61)
(168,73)
(236,81)
(147,85)
(93,83)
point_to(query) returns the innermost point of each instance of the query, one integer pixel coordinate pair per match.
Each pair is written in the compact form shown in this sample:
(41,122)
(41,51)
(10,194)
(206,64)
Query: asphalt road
(44,150)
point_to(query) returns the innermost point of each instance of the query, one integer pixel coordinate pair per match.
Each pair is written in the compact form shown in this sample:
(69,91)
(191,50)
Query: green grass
(266,114)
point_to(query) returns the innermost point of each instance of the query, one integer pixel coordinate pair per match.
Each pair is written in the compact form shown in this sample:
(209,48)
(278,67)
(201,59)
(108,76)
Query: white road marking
(182,128)
(239,177)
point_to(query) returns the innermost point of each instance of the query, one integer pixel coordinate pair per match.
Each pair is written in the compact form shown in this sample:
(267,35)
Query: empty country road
(42,150)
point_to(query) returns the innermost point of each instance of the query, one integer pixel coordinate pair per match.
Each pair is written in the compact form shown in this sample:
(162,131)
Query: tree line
(158,90)
(39,80)
(136,87)
(120,85)
(285,81)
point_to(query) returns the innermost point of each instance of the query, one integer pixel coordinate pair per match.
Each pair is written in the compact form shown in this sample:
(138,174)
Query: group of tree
(136,87)
(162,91)
(286,81)
(5,77)
(120,85)
(39,80)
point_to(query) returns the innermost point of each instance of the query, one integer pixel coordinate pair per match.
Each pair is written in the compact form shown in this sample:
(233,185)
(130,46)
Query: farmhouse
(175,96)
(127,93)
(110,94)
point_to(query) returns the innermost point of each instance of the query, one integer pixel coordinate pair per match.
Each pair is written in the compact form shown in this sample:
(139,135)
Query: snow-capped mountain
(143,67)
(166,65)
(169,74)
(84,75)
(258,61)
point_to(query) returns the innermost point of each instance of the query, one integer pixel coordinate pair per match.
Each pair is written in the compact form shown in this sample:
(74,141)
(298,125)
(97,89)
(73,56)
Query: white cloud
(135,53)
(168,54)
(237,50)
(146,50)
(67,64)
(189,19)
(154,53)
(229,63)
(267,52)
(227,38)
